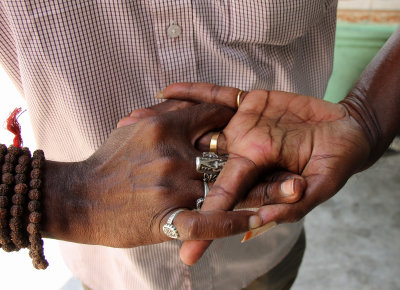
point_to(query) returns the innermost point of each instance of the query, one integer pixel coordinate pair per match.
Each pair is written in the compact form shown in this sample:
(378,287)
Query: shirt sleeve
(8,51)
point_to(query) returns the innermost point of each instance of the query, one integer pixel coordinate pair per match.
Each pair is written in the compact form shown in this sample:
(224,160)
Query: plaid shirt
(83,65)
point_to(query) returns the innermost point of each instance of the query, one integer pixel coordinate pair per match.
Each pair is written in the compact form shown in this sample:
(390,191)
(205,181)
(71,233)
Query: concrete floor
(353,239)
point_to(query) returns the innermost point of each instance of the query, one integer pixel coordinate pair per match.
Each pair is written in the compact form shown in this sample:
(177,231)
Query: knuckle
(221,193)
(165,167)
(214,90)
(122,122)
(156,127)
(166,164)
(211,108)
(245,166)
(142,113)
(191,228)
(228,227)
(264,94)
(259,195)
(266,194)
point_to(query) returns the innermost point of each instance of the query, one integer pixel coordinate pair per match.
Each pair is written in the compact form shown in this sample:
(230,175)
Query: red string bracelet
(14,127)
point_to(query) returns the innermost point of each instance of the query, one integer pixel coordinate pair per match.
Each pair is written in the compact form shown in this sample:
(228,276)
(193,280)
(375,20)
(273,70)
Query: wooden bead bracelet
(21,182)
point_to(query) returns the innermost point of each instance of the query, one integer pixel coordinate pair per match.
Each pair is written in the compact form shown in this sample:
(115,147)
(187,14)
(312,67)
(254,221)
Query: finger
(171,105)
(126,121)
(236,178)
(203,143)
(205,226)
(209,225)
(204,92)
(136,116)
(195,121)
(282,187)
(319,189)
(142,113)
(191,251)
(271,215)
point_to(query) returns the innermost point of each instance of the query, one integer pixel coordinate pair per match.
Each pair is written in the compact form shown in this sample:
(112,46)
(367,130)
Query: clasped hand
(146,171)
(271,131)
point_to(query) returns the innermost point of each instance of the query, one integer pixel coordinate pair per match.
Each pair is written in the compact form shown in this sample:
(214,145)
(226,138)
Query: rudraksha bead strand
(19,236)
(35,216)
(5,199)
(3,149)
(20,185)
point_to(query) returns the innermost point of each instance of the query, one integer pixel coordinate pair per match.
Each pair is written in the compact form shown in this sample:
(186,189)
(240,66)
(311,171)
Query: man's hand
(276,187)
(271,129)
(123,194)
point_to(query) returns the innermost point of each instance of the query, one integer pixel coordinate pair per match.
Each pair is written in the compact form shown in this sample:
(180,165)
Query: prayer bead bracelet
(20,206)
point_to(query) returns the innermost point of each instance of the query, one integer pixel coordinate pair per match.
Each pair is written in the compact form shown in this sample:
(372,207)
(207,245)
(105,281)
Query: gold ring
(214,142)
(238,98)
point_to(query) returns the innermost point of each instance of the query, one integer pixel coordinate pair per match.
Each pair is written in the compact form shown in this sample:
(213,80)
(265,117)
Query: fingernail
(160,95)
(258,231)
(254,222)
(287,188)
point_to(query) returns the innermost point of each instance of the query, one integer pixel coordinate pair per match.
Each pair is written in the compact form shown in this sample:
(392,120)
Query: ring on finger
(199,201)
(214,142)
(169,228)
(238,98)
(210,163)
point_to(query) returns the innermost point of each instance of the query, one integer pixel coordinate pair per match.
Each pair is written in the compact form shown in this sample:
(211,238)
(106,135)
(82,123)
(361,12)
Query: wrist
(64,200)
(359,110)
(375,102)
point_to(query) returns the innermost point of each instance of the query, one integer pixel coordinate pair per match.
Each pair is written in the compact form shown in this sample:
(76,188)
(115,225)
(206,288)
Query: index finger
(204,92)
(208,225)
(235,179)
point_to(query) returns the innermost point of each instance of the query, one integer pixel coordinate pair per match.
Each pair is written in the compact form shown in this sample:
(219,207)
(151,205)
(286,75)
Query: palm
(287,130)
(301,134)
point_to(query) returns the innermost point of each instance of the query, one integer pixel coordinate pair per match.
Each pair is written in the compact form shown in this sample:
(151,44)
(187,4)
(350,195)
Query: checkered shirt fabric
(83,65)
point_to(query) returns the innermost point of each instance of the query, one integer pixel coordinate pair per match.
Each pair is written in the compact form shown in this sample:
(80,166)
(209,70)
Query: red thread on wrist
(14,127)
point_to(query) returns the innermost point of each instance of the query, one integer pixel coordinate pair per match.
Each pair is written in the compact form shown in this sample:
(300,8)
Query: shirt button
(174,31)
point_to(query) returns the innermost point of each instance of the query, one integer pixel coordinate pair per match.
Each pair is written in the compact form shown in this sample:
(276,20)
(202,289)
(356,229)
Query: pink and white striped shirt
(83,65)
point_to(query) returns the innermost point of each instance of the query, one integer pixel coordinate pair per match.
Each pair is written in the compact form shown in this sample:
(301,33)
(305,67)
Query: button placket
(173,30)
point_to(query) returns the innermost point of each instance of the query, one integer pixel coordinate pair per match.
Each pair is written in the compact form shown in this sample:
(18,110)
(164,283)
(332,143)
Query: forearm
(375,100)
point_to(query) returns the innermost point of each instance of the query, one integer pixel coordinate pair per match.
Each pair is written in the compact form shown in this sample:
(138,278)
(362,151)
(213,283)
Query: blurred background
(353,240)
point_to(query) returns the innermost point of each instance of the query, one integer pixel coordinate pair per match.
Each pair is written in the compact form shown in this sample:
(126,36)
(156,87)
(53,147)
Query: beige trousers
(283,275)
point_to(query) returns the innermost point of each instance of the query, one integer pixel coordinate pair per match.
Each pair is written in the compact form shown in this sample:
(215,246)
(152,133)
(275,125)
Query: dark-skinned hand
(124,193)
(319,140)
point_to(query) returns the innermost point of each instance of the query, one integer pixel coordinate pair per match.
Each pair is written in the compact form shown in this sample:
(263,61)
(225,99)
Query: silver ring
(199,201)
(210,163)
(169,228)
